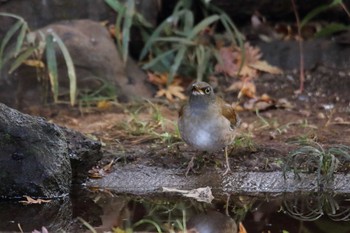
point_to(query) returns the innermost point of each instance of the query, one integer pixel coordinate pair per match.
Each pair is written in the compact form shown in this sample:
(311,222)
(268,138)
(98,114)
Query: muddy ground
(145,133)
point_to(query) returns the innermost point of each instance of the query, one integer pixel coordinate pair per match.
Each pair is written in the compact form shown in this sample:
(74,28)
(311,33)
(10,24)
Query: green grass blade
(203,55)
(87,225)
(188,21)
(143,221)
(21,58)
(332,28)
(177,62)
(157,32)
(142,21)
(160,58)
(70,68)
(12,16)
(21,37)
(203,25)
(7,38)
(232,29)
(118,29)
(115,5)
(317,11)
(52,66)
(130,9)
(173,39)
(235,34)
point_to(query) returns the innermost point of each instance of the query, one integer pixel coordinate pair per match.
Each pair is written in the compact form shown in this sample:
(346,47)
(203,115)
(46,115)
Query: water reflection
(313,206)
(107,212)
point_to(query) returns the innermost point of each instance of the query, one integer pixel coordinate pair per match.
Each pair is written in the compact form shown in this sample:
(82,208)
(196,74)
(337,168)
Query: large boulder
(33,157)
(97,64)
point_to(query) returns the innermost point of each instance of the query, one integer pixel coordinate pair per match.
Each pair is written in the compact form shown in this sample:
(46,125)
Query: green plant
(151,126)
(180,42)
(30,46)
(245,140)
(106,92)
(127,17)
(315,158)
(330,28)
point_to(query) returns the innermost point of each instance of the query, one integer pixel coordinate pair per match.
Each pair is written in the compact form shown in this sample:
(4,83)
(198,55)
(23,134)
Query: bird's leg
(228,168)
(190,165)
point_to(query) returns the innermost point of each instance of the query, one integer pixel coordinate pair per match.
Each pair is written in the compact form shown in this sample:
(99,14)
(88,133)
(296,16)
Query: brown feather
(228,112)
(181,111)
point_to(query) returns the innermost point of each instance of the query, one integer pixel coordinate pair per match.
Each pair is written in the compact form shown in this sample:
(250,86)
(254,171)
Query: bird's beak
(197,91)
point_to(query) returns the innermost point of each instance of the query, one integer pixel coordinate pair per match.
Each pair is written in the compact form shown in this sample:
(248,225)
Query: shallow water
(292,212)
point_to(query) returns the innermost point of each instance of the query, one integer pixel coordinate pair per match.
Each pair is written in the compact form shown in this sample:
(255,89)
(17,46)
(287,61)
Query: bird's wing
(182,109)
(228,112)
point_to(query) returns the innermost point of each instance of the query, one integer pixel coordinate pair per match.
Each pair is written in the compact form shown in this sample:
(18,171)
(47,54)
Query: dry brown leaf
(108,167)
(235,86)
(157,79)
(104,104)
(264,66)
(265,97)
(172,91)
(34,63)
(242,228)
(33,201)
(231,61)
(96,173)
(248,89)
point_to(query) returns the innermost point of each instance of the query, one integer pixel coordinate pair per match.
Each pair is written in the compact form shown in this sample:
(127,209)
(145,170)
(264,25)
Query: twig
(301,50)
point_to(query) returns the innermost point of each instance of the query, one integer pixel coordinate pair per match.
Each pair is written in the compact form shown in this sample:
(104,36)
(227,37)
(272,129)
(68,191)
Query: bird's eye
(207,90)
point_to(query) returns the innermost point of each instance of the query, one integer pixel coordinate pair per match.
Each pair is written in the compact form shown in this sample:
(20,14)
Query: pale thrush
(207,122)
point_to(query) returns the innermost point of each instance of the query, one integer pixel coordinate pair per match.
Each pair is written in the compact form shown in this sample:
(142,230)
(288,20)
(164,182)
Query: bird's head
(201,93)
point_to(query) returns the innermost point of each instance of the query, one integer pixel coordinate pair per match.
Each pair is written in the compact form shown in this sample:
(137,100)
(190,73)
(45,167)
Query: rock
(97,64)
(285,54)
(83,152)
(34,157)
(41,159)
(40,13)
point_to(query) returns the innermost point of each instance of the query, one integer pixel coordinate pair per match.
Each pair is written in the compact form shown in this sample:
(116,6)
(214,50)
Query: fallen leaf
(229,62)
(172,91)
(248,89)
(104,104)
(233,64)
(157,79)
(264,66)
(200,194)
(96,173)
(242,228)
(235,86)
(34,63)
(33,201)
(284,103)
(108,167)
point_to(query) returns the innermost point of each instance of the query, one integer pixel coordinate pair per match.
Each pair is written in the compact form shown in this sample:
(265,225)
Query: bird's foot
(190,166)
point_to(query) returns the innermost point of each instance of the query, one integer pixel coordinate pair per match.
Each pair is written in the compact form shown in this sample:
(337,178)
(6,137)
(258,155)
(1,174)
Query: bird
(211,222)
(206,122)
